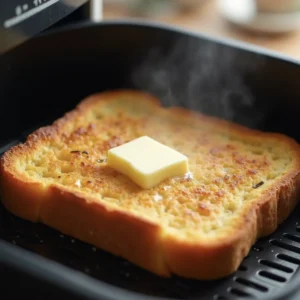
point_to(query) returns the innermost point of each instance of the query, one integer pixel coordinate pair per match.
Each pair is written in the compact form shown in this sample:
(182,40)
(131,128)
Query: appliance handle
(96,10)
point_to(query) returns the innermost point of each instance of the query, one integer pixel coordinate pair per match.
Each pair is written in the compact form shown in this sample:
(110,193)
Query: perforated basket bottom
(270,265)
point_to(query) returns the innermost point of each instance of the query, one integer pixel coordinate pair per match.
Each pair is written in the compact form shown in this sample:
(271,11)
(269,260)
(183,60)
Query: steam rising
(204,77)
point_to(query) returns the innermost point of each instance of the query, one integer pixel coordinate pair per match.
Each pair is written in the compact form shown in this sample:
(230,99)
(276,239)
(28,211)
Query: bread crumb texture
(230,165)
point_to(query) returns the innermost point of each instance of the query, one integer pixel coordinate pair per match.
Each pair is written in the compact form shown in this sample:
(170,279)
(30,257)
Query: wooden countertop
(207,19)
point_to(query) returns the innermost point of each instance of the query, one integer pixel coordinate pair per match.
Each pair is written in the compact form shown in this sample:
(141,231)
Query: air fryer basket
(49,75)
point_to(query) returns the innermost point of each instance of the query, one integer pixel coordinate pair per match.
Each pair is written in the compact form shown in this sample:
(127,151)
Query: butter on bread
(147,162)
(244,183)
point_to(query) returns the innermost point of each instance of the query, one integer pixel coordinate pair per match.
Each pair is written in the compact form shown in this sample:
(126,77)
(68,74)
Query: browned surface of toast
(244,184)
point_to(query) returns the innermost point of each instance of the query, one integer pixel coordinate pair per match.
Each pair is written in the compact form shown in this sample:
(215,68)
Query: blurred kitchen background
(274,24)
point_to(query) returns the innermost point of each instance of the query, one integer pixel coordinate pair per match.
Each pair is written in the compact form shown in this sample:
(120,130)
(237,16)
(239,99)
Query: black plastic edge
(83,285)
(62,276)
(136,22)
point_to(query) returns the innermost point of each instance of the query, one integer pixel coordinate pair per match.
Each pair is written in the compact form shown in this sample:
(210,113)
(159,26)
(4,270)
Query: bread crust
(136,238)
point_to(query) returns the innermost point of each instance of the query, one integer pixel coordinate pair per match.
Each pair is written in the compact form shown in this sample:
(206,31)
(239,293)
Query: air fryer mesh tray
(270,265)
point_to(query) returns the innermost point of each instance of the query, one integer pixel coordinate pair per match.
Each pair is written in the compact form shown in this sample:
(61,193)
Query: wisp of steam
(201,76)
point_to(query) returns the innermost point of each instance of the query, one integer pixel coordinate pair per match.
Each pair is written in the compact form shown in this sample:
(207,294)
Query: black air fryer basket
(47,76)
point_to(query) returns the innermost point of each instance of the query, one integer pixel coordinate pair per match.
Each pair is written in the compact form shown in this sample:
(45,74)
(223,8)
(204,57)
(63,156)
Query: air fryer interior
(48,76)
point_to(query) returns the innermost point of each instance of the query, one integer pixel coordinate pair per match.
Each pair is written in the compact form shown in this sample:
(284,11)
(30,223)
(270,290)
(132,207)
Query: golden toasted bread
(244,184)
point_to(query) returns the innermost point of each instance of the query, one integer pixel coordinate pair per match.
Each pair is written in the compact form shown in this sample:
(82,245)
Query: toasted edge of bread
(135,238)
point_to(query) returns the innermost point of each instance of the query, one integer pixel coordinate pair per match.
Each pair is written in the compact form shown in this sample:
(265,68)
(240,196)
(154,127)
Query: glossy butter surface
(147,162)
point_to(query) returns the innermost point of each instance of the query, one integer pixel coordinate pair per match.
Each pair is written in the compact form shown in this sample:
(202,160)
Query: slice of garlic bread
(244,184)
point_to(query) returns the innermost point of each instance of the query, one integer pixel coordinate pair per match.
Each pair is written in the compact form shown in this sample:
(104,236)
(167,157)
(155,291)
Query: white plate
(243,13)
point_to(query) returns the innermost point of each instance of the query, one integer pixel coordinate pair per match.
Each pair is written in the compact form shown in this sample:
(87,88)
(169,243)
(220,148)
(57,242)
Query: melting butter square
(147,162)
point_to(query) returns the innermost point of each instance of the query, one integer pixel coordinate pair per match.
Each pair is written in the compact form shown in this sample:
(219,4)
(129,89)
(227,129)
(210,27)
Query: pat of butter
(147,162)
